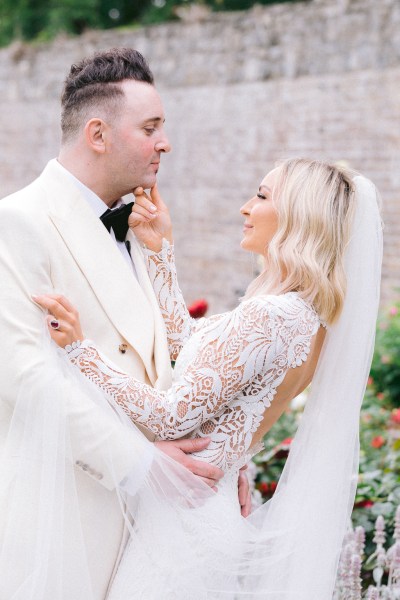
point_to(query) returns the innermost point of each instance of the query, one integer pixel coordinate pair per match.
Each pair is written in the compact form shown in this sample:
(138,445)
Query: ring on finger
(54,324)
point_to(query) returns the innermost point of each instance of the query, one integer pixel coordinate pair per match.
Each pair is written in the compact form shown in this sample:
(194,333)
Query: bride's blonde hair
(315,205)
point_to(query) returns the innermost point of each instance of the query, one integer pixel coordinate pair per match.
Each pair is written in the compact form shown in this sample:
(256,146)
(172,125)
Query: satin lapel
(161,353)
(104,267)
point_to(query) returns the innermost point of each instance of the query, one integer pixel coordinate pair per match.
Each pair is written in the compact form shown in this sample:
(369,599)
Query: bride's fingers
(63,319)
(145,203)
(58,306)
(156,196)
(139,191)
(62,332)
(142,211)
(56,326)
(140,195)
(63,301)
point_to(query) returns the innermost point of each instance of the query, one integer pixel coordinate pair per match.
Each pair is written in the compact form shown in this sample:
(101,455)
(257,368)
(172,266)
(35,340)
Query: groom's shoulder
(18,198)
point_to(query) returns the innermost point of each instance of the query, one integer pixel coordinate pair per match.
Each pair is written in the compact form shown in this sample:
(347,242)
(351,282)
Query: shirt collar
(98,205)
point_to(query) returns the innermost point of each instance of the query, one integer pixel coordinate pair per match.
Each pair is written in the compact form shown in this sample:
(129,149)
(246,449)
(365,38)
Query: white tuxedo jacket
(51,241)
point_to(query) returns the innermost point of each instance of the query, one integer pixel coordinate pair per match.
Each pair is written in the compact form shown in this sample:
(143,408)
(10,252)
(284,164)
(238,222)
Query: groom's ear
(95,135)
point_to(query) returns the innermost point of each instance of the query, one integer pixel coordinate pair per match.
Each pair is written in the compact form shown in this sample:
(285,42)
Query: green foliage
(43,19)
(240,4)
(385,370)
(160,11)
(165,10)
(378,491)
(270,463)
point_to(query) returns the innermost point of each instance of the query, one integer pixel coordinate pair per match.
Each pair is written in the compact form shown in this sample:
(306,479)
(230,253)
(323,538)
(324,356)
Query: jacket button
(123,348)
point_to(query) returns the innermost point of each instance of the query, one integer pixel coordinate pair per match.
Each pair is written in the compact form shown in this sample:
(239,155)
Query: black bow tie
(117,219)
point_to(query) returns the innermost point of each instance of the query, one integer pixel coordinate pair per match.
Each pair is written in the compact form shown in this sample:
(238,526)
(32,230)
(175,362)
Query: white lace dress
(228,368)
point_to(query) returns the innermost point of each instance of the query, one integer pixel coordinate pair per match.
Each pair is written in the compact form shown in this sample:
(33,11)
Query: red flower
(282,449)
(198,309)
(370,380)
(287,441)
(268,489)
(378,441)
(395,416)
(364,504)
(380,396)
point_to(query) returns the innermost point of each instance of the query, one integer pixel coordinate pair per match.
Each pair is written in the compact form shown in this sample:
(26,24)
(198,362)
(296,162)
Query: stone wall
(241,90)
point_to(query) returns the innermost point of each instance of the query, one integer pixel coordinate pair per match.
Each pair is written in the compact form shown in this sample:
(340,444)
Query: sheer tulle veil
(183,536)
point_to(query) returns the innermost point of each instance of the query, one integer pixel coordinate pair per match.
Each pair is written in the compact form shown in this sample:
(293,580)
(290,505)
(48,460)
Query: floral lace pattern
(226,375)
(178,322)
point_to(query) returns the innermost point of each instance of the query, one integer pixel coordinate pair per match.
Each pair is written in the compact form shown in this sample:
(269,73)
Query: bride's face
(261,217)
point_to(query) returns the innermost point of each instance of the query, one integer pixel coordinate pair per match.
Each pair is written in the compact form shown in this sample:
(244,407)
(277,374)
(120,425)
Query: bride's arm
(151,223)
(233,350)
(230,355)
(178,322)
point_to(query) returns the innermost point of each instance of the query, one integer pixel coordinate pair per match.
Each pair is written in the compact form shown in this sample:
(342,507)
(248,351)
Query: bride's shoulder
(287,306)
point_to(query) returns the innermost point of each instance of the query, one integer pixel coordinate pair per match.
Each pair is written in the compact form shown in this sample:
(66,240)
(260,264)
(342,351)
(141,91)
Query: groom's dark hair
(92,83)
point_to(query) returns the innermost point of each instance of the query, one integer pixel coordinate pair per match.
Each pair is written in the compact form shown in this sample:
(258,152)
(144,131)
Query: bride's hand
(63,319)
(150,220)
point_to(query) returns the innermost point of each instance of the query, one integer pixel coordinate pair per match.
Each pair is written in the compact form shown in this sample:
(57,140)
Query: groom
(52,240)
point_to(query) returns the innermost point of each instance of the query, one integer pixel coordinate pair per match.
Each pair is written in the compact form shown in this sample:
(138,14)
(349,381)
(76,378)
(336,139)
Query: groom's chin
(149,181)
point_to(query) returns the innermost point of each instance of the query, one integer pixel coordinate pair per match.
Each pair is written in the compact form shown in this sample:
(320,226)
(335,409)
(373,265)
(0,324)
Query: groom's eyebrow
(154,120)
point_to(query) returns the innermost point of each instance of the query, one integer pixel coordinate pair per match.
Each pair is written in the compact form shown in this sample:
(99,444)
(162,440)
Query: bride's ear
(96,131)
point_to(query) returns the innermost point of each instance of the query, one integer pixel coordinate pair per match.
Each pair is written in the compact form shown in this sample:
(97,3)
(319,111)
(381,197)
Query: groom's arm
(181,450)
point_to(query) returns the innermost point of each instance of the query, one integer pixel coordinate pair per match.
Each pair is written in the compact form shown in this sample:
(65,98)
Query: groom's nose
(163,144)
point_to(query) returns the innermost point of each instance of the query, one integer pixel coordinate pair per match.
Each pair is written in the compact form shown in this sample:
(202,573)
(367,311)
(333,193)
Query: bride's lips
(246,227)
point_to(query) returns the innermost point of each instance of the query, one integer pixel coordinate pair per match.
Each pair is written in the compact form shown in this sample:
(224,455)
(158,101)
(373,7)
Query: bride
(310,315)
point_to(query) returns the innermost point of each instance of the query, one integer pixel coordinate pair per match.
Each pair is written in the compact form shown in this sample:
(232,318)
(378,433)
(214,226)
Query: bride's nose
(246,208)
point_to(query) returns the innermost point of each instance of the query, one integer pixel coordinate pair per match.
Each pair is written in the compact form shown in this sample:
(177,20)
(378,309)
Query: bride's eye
(260,195)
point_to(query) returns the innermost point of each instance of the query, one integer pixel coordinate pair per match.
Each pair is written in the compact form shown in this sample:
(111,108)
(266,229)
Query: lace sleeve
(203,389)
(231,352)
(178,322)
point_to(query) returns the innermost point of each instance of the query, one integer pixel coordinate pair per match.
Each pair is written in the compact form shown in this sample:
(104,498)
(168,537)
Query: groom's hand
(180,450)
(244,492)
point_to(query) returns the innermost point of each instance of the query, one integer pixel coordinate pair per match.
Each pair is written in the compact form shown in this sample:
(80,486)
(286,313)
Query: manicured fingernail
(153,208)
(34,297)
